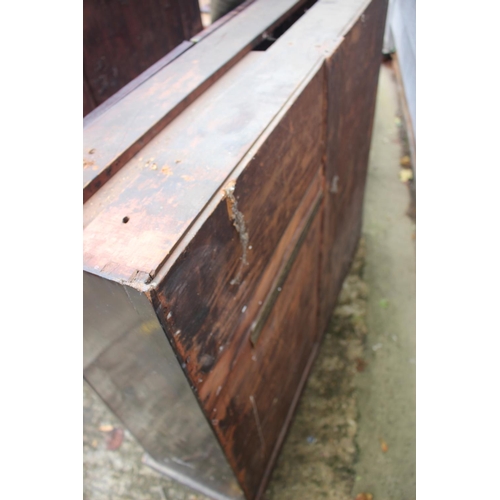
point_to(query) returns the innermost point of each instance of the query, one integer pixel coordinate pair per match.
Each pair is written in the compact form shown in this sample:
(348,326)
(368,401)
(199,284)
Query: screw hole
(125,220)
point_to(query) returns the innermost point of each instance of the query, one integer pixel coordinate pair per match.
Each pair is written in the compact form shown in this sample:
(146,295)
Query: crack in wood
(239,223)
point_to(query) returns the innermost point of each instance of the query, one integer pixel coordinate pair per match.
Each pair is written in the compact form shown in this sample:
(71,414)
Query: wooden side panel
(208,292)
(164,189)
(122,39)
(250,414)
(352,86)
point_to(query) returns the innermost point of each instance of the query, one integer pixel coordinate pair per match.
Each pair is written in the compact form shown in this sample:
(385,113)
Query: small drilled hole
(125,220)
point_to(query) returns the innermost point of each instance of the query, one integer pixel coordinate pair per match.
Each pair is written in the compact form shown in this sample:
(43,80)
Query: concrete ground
(386,389)
(354,430)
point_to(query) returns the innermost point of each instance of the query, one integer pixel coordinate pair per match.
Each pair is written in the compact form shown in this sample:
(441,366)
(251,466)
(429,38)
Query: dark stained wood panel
(209,340)
(88,98)
(211,272)
(352,86)
(136,82)
(121,39)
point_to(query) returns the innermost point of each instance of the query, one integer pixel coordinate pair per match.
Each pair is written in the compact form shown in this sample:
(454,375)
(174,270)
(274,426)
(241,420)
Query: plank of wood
(275,272)
(270,372)
(117,135)
(164,61)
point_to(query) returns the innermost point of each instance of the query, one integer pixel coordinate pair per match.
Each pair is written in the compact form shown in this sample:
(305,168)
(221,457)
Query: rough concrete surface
(386,390)
(354,430)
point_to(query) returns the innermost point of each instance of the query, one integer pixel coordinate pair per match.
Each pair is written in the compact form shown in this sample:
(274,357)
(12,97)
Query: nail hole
(125,220)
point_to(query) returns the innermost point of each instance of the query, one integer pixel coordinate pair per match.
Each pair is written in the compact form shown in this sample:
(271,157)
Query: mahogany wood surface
(352,87)
(255,399)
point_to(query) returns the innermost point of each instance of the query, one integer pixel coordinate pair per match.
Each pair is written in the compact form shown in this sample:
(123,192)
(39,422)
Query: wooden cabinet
(222,208)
